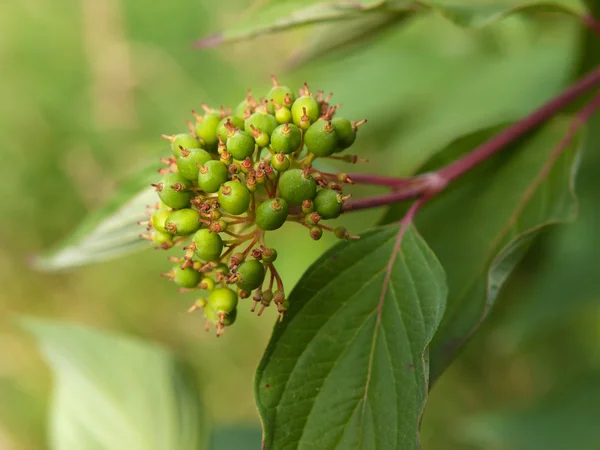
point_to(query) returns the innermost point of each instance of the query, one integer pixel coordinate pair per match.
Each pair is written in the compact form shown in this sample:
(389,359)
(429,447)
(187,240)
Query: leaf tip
(210,41)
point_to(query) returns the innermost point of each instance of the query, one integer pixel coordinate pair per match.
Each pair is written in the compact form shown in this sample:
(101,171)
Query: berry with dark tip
(305,105)
(278,94)
(286,138)
(271,214)
(189,160)
(269,255)
(158,219)
(263,122)
(208,245)
(212,175)
(321,138)
(240,144)
(223,299)
(186,278)
(250,275)
(316,232)
(234,197)
(183,140)
(162,239)
(183,222)
(173,190)
(222,129)
(206,129)
(295,186)
(280,162)
(328,203)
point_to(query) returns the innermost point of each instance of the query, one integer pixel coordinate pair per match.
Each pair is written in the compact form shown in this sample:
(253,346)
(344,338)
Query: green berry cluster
(238,174)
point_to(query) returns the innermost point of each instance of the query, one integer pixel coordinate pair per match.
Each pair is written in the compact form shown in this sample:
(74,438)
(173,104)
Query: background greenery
(88,87)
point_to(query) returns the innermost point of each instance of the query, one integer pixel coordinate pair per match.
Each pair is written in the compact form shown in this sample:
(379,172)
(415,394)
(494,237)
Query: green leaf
(114,392)
(279,16)
(482,226)
(331,37)
(109,232)
(565,418)
(348,367)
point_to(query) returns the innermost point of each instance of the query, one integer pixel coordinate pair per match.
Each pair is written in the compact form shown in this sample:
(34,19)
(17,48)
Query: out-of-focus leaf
(279,16)
(237,438)
(331,37)
(348,366)
(482,226)
(113,392)
(109,232)
(565,418)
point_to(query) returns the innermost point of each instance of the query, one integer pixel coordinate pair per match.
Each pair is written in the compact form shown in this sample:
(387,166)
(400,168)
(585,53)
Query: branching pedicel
(235,176)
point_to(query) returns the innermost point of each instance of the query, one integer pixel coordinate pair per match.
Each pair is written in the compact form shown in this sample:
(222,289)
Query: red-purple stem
(431,184)
(592,23)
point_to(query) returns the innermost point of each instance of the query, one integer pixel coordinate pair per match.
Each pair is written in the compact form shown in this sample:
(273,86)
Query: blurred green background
(88,87)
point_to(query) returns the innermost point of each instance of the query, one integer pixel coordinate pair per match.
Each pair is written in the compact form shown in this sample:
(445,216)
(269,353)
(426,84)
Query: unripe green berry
(183,140)
(159,217)
(308,206)
(250,275)
(222,129)
(183,222)
(240,144)
(316,232)
(345,132)
(213,316)
(271,214)
(206,130)
(286,138)
(279,93)
(308,105)
(234,197)
(187,278)
(189,160)
(295,186)
(208,245)
(321,138)
(280,162)
(283,115)
(328,203)
(173,190)
(269,255)
(263,122)
(207,284)
(223,299)
(162,239)
(212,175)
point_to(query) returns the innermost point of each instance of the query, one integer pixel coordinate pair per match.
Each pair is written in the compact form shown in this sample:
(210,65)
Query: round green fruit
(328,204)
(234,121)
(263,122)
(212,175)
(240,144)
(161,238)
(250,275)
(313,110)
(286,138)
(159,217)
(223,299)
(345,132)
(206,130)
(280,162)
(187,278)
(184,140)
(321,138)
(295,186)
(234,197)
(278,94)
(189,160)
(173,191)
(183,222)
(208,245)
(271,214)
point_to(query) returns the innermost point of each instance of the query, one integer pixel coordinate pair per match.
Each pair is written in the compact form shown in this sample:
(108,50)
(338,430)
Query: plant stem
(592,23)
(431,184)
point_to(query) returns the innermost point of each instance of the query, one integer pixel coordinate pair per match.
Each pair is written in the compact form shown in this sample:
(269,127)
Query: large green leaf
(482,226)
(566,418)
(110,231)
(348,367)
(278,16)
(113,392)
